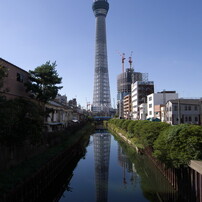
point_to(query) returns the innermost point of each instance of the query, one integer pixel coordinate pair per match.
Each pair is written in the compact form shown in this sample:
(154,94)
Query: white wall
(158,99)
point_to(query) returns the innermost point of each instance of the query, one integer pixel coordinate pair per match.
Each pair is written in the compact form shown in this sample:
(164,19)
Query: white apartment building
(159,98)
(139,92)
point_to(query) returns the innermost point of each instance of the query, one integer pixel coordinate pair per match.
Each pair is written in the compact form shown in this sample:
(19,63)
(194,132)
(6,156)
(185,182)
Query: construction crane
(130,60)
(122,60)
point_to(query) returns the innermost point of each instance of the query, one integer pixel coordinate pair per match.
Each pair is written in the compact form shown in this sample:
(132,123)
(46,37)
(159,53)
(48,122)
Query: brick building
(13,84)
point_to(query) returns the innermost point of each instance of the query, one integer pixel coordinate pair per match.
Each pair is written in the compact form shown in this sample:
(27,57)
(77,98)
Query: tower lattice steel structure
(101,93)
(102,143)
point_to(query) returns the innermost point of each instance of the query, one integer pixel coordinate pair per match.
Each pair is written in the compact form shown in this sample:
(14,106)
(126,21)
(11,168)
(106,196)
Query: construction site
(124,81)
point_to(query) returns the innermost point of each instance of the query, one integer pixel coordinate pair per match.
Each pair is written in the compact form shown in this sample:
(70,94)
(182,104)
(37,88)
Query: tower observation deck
(101,93)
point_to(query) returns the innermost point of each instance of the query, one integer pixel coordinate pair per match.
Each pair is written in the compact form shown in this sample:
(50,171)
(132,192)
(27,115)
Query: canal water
(111,171)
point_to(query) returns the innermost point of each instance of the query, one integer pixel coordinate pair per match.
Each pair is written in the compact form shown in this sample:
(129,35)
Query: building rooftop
(172,91)
(5,61)
(186,101)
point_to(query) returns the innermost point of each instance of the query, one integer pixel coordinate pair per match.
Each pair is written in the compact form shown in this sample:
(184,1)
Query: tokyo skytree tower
(101,93)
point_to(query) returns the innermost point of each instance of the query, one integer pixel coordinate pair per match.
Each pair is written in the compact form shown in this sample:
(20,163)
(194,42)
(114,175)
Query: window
(150,112)
(150,98)
(196,118)
(186,118)
(190,118)
(150,105)
(196,108)
(20,77)
(175,108)
(189,107)
(185,108)
(170,109)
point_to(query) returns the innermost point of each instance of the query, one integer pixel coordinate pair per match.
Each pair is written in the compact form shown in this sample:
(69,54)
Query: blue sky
(164,35)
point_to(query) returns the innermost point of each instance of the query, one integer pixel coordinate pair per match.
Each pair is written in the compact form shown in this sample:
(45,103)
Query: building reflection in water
(102,142)
(128,167)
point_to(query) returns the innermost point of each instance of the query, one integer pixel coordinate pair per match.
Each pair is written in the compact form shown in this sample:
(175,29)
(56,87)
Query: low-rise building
(127,107)
(143,111)
(14,82)
(180,111)
(140,91)
(159,112)
(159,98)
(59,116)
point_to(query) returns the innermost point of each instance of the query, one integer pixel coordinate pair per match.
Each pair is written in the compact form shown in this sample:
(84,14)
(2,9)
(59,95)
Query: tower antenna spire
(101,93)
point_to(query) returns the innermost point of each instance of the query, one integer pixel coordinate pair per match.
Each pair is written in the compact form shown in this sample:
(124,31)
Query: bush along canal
(175,150)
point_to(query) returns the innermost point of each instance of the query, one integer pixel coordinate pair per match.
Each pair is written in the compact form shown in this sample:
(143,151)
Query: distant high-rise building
(101,93)
(124,81)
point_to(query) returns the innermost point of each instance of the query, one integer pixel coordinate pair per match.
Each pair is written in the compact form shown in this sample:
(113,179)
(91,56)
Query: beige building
(159,112)
(127,107)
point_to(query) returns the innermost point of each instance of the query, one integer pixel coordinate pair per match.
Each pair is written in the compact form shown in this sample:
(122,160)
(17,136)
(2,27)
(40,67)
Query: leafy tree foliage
(173,145)
(125,124)
(177,145)
(131,127)
(20,119)
(43,82)
(148,131)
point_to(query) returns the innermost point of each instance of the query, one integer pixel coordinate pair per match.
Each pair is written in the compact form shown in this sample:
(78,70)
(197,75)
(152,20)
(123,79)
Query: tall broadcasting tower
(101,93)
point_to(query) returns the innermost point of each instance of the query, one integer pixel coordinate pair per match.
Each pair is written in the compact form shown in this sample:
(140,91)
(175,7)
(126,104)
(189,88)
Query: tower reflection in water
(128,168)
(102,142)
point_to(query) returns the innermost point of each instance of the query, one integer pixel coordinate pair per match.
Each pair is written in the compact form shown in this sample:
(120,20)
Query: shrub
(125,124)
(149,131)
(177,145)
(130,128)
(120,122)
(20,120)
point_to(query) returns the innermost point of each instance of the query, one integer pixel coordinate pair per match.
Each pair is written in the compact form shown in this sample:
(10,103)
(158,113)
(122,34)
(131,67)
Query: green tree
(148,131)
(125,124)
(177,145)
(43,82)
(20,120)
(131,127)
